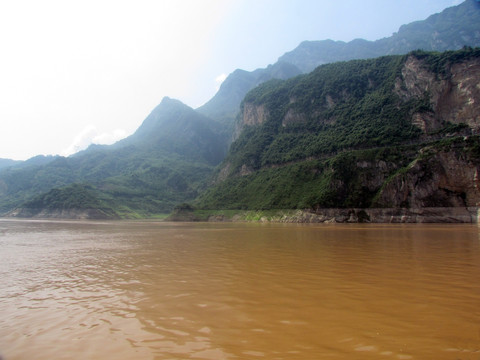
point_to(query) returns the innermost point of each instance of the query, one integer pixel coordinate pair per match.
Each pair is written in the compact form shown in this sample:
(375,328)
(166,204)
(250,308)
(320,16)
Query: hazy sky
(76,72)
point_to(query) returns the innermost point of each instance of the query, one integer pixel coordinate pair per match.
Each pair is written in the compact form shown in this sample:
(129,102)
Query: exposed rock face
(436,179)
(453,98)
(252,115)
(459,101)
(446,179)
(392,215)
(353,144)
(293,117)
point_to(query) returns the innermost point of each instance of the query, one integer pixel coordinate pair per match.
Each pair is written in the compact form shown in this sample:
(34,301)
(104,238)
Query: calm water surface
(132,290)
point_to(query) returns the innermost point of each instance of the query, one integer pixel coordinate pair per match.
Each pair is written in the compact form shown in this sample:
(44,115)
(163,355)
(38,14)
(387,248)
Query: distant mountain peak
(451,29)
(169,100)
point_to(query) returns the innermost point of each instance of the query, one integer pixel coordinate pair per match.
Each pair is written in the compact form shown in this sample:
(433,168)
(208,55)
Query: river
(153,290)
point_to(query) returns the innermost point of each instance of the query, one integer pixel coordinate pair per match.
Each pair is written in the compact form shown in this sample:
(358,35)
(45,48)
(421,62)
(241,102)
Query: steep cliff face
(251,115)
(390,133)
(453,95)
(441,179)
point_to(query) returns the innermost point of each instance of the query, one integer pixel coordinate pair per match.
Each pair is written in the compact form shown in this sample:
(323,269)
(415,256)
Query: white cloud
(109,138)
(219,80)
(90,135)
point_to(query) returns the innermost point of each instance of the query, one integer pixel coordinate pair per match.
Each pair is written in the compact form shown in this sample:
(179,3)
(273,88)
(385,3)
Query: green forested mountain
(174,127)
(341,135)
(164,163)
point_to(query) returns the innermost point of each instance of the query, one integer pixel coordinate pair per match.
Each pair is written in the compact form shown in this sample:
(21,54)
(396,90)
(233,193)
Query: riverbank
(466,215)
(388,215)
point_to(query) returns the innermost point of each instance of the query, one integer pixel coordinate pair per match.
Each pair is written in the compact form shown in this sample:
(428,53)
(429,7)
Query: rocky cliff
(398,134)
(437,178)
(453,93)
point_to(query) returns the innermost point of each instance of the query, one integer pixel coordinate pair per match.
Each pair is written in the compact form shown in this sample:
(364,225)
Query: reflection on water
(128,290)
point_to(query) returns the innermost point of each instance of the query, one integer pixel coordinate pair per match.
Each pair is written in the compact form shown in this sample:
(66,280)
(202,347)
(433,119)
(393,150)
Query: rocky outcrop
(254,114)
(443,179)
(453,96)
(251,115)
(396,215)
(293,117)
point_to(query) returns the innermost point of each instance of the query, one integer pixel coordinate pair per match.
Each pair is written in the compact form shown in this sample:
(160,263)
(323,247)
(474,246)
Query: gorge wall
(403,145)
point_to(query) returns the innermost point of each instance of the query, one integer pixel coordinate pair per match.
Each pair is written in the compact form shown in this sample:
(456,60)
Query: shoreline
(459,215)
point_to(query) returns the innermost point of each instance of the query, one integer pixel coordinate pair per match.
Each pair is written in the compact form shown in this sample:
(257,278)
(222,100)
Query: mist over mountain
(7,163)
(451,29)
(288,138)
(175,127)
(165,162)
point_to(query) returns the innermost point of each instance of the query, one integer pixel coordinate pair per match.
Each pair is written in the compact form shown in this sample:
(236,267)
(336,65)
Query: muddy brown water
(151,290)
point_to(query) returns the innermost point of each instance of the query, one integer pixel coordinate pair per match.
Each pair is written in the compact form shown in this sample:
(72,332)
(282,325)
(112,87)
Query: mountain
(8,162)
(451,29)
(175,127)
(224,105)
(391,132)
(165,162)
(346,134)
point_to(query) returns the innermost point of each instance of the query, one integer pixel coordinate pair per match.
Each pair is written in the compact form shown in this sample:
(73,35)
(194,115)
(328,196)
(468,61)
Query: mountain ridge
(439,32)
(401,132)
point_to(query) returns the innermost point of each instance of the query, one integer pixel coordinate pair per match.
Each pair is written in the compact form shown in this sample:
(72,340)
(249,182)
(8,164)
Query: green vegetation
(165,163)
(334,182)
(78,197)
(438,62)
(332,138)
(75,196)
(351,179)
(193,214)
(336,107)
